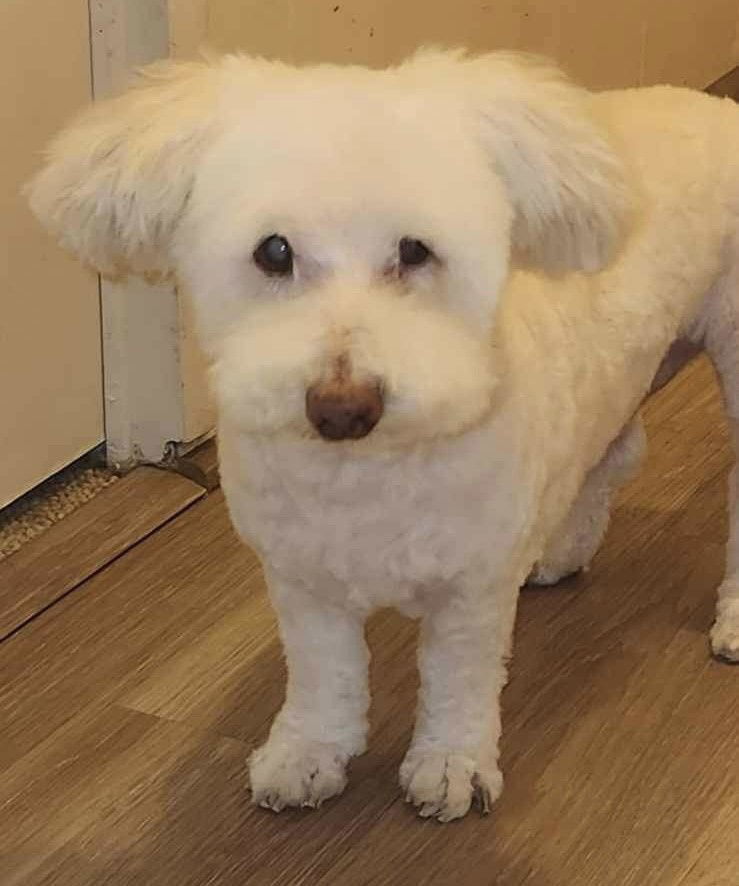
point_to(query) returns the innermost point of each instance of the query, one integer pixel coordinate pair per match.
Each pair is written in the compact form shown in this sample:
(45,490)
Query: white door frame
(141,340)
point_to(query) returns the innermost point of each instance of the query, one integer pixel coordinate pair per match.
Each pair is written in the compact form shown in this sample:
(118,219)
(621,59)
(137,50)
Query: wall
(50,362)
(603,44)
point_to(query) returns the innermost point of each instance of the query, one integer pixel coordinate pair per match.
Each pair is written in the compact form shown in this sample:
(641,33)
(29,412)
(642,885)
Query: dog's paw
(294,772)
(725,632)
(443,785)
(548,574)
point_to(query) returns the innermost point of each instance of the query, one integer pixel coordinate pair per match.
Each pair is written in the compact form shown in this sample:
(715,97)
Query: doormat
(50,502)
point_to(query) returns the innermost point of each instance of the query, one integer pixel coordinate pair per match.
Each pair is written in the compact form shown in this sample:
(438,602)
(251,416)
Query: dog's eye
(412,252)
(274,255)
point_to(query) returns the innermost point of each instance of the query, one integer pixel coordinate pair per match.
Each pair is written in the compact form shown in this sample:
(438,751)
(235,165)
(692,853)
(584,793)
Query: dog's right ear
(117,179)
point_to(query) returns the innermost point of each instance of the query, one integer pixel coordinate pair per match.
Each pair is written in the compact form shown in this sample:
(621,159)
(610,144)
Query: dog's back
(680,139)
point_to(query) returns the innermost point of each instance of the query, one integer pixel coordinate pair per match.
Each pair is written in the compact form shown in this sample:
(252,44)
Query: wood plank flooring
(127,711)
(67,553)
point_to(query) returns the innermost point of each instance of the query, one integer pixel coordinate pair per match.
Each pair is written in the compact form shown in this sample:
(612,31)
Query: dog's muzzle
(344,411)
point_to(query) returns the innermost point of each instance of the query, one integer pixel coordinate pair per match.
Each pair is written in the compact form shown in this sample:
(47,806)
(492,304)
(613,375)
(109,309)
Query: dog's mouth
(344,410)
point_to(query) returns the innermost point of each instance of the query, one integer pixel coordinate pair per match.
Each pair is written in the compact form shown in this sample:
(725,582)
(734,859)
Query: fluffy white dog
(434,298)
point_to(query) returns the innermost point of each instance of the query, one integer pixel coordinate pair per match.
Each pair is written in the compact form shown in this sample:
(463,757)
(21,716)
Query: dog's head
(344,233)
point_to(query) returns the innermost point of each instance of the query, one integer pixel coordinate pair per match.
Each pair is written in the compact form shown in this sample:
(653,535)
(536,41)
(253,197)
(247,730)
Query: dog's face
(344,271)
(344,234)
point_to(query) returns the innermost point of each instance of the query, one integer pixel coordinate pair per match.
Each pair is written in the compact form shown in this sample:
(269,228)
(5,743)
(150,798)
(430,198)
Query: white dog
(434,298)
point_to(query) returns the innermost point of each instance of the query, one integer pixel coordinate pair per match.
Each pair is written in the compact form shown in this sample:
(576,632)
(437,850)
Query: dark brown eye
(274,255)
(412,252)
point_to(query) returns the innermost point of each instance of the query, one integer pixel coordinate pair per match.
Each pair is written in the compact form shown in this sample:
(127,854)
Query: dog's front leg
(323,720)
(453,757)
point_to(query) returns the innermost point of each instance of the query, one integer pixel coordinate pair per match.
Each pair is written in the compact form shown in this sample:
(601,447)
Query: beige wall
(51,398)
(603,43)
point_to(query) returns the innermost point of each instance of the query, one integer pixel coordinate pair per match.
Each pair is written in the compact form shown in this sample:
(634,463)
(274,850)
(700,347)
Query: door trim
(141,340)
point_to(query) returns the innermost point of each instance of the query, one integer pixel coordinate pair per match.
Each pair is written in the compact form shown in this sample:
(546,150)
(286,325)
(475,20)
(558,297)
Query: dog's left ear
(565,178)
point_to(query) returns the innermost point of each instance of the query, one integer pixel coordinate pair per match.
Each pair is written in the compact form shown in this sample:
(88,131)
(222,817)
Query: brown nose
(344,411)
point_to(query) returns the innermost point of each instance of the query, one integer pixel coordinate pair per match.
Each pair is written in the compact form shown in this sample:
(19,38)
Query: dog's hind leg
(578,538)
(722,344)
(725,630)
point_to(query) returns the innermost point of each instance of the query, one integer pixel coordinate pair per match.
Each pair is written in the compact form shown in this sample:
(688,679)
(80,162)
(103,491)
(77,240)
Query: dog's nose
(341,411)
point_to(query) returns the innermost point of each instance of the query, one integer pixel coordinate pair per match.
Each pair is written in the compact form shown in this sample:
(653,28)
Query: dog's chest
(382,529)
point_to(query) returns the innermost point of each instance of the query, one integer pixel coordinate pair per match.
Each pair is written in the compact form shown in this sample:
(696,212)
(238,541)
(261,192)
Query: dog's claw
(482,799)
(428,810)
(482,796)
(274,805)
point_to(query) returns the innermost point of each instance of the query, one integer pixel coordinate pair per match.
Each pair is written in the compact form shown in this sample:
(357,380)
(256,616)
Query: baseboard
(199,465)
(728,85)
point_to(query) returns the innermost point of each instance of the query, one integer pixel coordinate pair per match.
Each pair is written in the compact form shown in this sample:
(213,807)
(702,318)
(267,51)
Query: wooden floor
(128,708)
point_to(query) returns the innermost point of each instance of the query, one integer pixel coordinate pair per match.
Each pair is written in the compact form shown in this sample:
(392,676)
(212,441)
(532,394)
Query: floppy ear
(117,179)
(565,178)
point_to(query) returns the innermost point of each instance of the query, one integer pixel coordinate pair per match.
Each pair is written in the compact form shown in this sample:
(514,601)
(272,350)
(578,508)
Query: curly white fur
(503,388)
